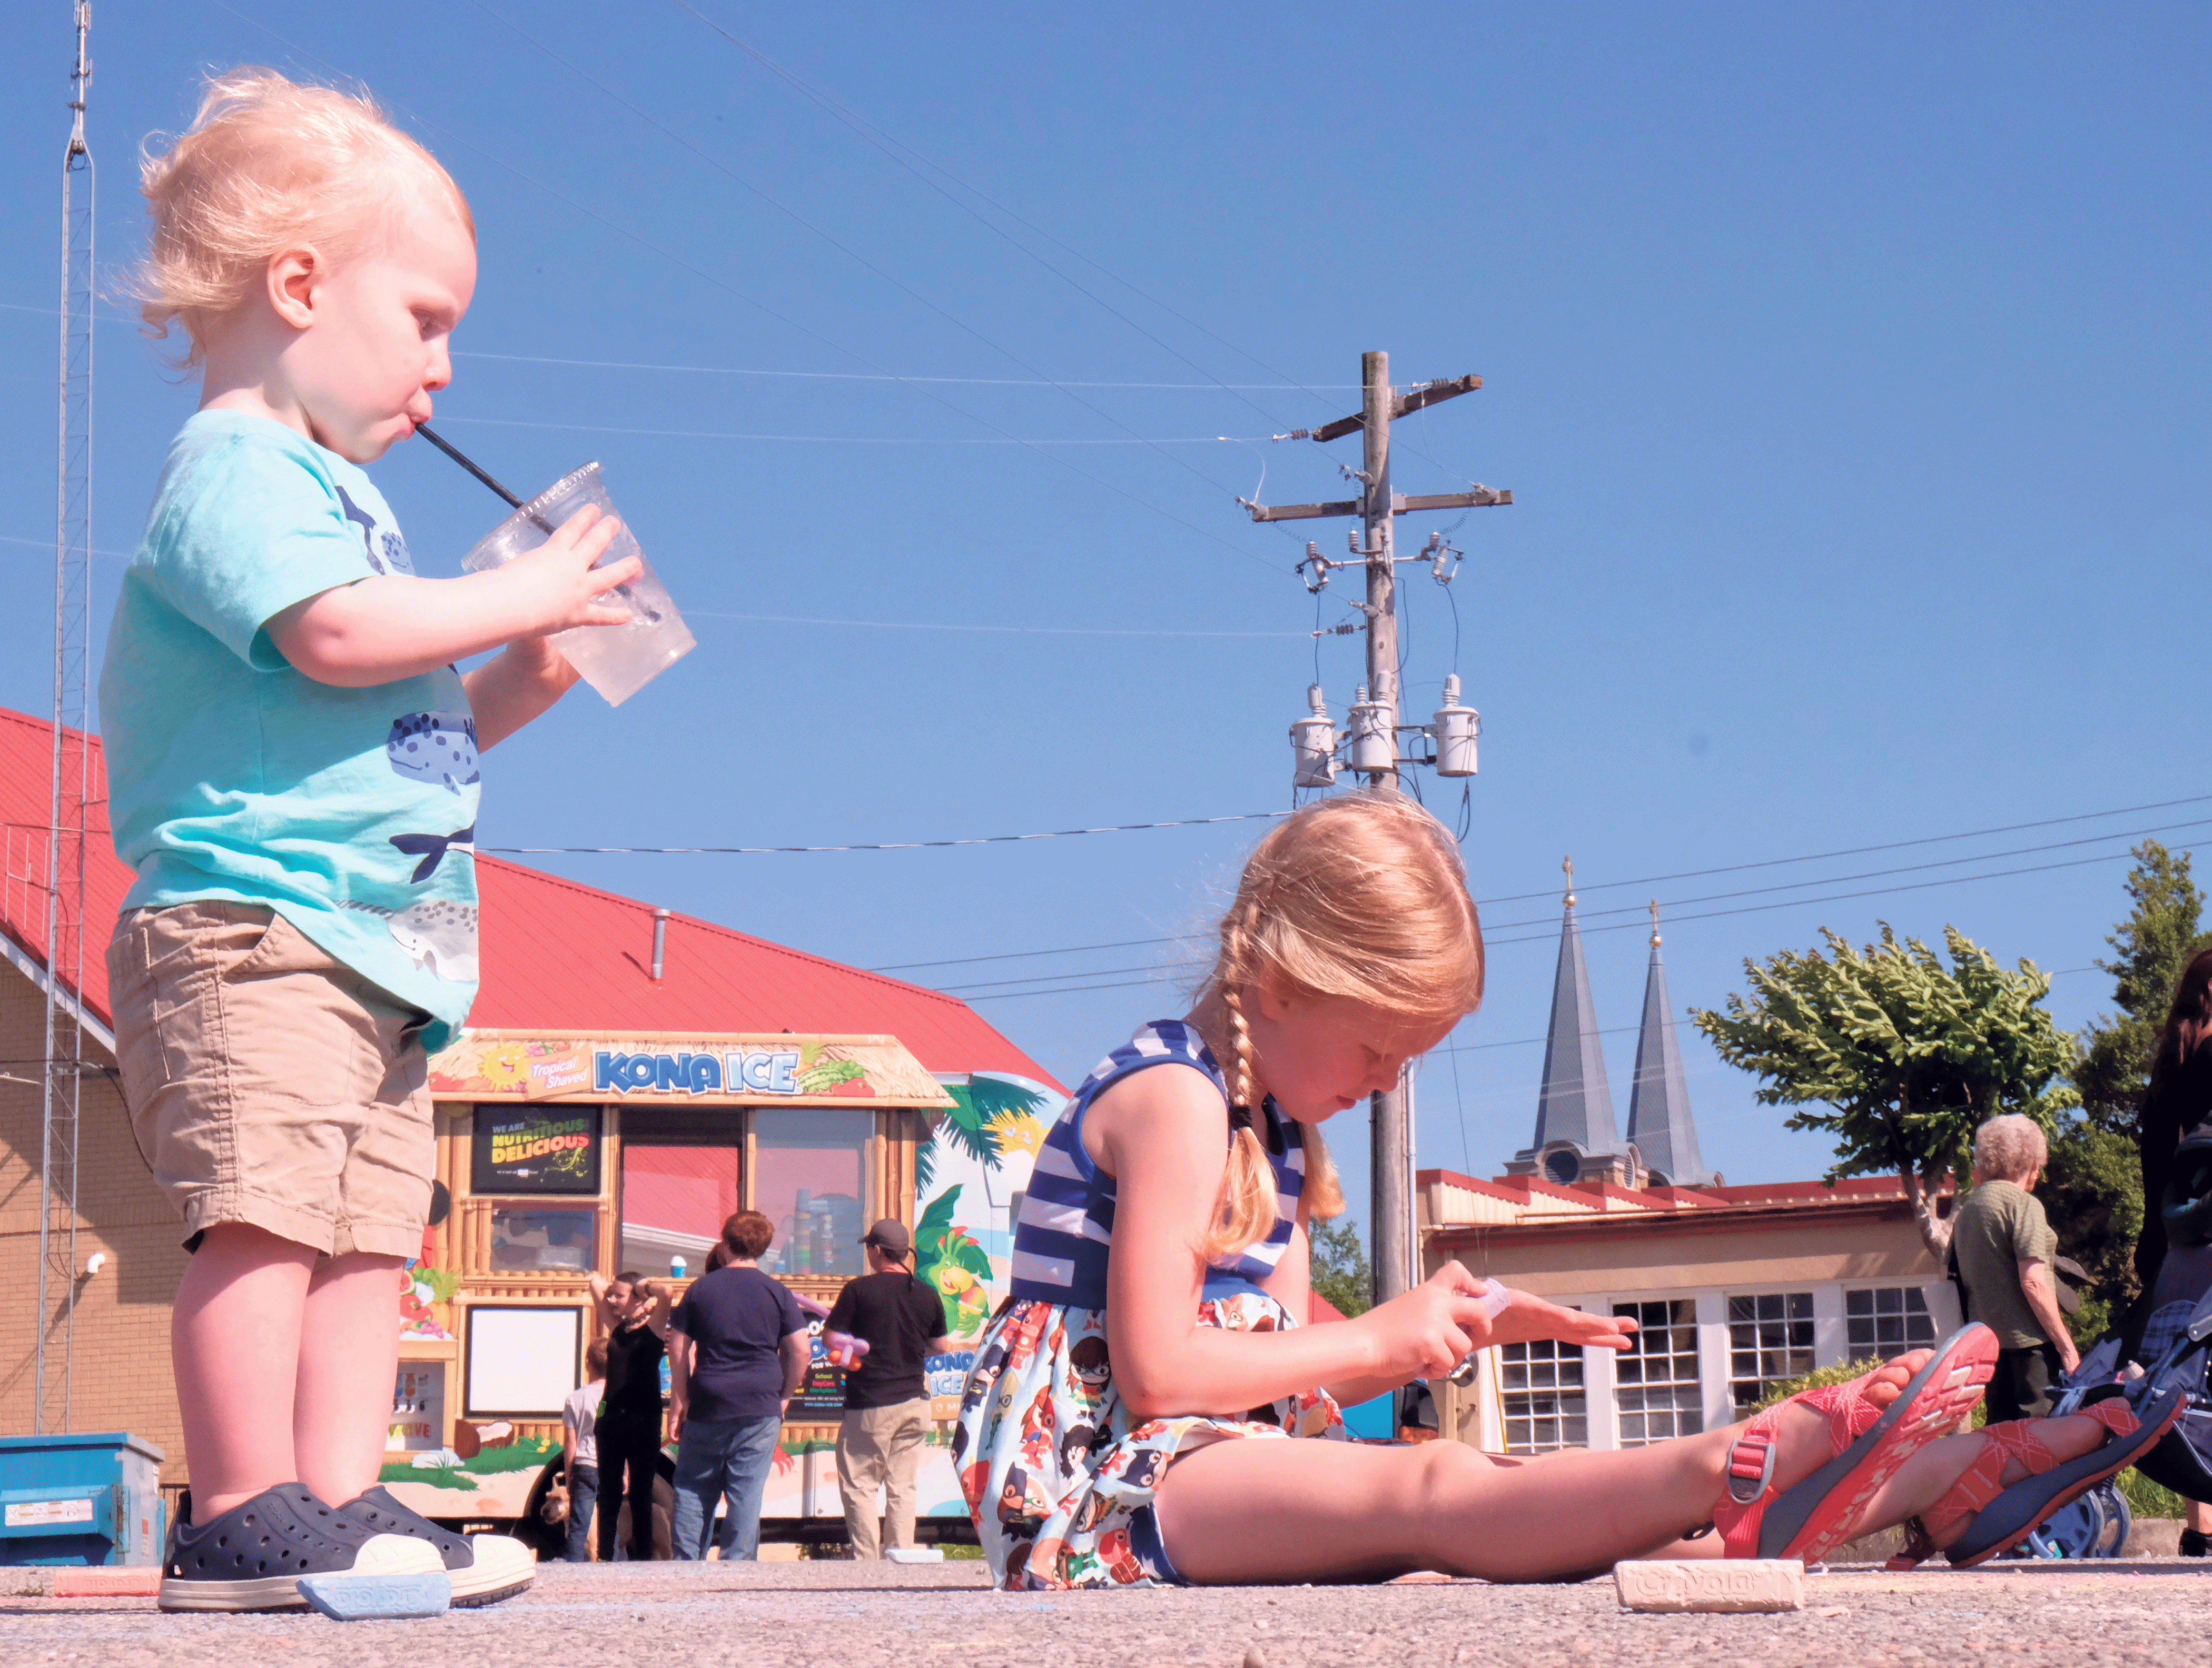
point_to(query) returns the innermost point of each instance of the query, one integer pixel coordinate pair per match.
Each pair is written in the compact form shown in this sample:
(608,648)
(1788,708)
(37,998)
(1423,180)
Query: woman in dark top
(2178,1099)
(633,1315)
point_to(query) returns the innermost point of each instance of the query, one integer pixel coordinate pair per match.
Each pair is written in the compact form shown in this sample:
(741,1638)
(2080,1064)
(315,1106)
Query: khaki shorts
(268,1083)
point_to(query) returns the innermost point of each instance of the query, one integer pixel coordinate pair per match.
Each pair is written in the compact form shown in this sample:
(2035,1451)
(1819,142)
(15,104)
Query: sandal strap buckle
(1751,1467)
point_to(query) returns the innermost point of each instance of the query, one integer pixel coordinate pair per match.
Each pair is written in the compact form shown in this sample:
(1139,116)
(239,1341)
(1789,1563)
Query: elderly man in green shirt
(2005,1245)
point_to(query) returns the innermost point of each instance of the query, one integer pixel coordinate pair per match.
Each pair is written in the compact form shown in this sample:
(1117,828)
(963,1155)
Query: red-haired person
(737,1352)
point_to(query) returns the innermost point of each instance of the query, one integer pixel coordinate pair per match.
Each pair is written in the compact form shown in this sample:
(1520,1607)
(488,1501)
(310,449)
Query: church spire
(1659,1120)
(1576,1103)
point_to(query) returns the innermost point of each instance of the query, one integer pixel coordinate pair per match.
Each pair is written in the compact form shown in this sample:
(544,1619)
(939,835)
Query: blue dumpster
(93,1497)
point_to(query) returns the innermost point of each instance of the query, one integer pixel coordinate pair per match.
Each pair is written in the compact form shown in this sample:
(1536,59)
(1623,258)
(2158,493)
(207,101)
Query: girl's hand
(1431,1329)
(1439,1323)
(561,586)
(1529,1317)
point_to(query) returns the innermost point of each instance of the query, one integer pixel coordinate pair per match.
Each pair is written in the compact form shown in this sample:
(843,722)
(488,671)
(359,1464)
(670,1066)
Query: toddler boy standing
(291,771)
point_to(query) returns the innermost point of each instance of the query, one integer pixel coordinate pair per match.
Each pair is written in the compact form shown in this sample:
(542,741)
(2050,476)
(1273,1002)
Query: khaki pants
(881,1445)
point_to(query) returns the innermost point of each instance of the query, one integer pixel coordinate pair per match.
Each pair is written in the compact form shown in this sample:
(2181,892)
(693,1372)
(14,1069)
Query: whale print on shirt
(434,747)
(393,558)
(438,932)
(432,849)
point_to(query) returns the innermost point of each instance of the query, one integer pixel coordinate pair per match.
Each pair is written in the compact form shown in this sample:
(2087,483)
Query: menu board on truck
(821,1395)
(533,1150)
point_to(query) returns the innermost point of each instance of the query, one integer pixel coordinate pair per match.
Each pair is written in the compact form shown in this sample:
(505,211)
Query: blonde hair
(267,164)
(1362,896)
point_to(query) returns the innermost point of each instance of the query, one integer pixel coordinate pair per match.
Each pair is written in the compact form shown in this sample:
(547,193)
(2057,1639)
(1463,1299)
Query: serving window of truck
(561,1155)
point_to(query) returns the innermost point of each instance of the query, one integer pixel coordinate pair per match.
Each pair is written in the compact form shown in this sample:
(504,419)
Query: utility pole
(61,1092)
(1371,741)
(1389,1114)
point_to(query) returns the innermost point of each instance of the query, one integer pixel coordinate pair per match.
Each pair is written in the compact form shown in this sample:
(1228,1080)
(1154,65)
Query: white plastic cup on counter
(616,660)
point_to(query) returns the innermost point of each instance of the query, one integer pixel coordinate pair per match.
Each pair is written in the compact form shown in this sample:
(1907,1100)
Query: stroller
(2177,1348)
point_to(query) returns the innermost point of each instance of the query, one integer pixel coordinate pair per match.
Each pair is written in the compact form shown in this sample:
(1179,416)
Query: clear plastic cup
(616,660)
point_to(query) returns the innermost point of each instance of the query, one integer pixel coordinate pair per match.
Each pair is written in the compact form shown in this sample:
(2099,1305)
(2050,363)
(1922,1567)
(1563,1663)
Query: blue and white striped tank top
(1067,1215)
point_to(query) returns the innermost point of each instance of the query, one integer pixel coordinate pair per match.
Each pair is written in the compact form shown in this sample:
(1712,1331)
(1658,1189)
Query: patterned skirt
(1059,1479)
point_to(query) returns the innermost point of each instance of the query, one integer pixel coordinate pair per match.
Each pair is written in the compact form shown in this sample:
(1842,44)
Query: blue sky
(1845,363)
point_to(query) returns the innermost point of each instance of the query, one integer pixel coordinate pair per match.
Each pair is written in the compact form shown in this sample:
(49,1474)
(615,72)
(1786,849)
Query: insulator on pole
(1372,743)
(1454,728)
(1313,744)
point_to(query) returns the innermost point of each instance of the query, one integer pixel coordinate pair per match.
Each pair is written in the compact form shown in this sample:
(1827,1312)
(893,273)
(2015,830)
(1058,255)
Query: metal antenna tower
(72,777)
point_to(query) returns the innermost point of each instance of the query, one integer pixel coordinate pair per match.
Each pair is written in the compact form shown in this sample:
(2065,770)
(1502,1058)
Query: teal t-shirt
(351,813)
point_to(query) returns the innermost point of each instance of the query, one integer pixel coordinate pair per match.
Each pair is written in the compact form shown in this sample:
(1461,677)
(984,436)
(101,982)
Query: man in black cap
(886,1410)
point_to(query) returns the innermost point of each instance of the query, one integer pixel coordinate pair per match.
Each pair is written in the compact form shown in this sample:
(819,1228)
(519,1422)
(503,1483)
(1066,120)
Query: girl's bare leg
(1263,1511)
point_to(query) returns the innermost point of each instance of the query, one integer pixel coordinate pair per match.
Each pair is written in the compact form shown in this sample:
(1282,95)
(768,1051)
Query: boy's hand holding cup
(563,586)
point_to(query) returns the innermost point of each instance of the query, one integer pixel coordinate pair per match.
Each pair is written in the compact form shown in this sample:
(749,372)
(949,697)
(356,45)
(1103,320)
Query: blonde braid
(1236,968)
(1246,1209)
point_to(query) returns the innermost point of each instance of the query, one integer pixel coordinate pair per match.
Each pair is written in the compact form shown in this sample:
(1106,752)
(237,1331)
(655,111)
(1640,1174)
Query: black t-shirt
(634,1356)
(898,1315)
(736,1318)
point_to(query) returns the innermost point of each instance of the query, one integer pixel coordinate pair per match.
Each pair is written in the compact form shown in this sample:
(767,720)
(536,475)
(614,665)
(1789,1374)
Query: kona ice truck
(562,1155)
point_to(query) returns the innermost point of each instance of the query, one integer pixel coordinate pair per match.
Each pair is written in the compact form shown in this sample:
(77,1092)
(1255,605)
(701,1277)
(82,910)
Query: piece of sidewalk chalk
(109,1581)
(1710,1584)
(378,1597)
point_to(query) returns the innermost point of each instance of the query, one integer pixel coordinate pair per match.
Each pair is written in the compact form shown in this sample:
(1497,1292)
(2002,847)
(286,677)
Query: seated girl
(1147,1408)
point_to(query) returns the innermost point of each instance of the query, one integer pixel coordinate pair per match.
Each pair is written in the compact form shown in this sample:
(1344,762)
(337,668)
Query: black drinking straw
(446,446)
(652,615)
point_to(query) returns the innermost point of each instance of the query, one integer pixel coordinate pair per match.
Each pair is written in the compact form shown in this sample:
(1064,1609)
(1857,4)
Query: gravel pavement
(865,1616)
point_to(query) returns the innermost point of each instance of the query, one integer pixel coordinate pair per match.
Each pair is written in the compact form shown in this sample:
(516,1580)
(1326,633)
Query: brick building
(1732,1287)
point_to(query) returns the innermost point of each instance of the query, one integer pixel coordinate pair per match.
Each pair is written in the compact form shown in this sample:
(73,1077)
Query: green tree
(2093,1190)
(1897,1056)
(2154,943)
(1340,1271)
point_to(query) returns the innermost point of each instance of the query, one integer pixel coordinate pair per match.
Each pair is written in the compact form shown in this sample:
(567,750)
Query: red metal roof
(557,956)
(1777,1195)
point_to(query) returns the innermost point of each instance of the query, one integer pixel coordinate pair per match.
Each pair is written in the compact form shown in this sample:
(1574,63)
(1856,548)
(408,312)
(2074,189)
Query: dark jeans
(716,1458)
(631,1445)
(2020,1387)
(583,1493)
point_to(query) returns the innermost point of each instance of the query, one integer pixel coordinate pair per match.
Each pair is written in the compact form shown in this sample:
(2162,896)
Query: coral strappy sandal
(2004,1516)
(1813,1517)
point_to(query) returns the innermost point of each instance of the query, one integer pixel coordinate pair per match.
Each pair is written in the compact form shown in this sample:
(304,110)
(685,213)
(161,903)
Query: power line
(889,145)
(1836,897)
(863,376)
(130,323)
(1026,631)
(1619,1030)
(838,244)
(1075,990)
(1125,944)
(1860,850)
(1046,979)
(723,284)
(845,440)
(882,625)
(885,142)
(1929,839)
(1870,874)
(882,845)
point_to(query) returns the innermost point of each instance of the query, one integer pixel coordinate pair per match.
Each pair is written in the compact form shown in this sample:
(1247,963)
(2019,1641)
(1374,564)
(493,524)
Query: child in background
(1124,1422)
(292,769)
(580,1450)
